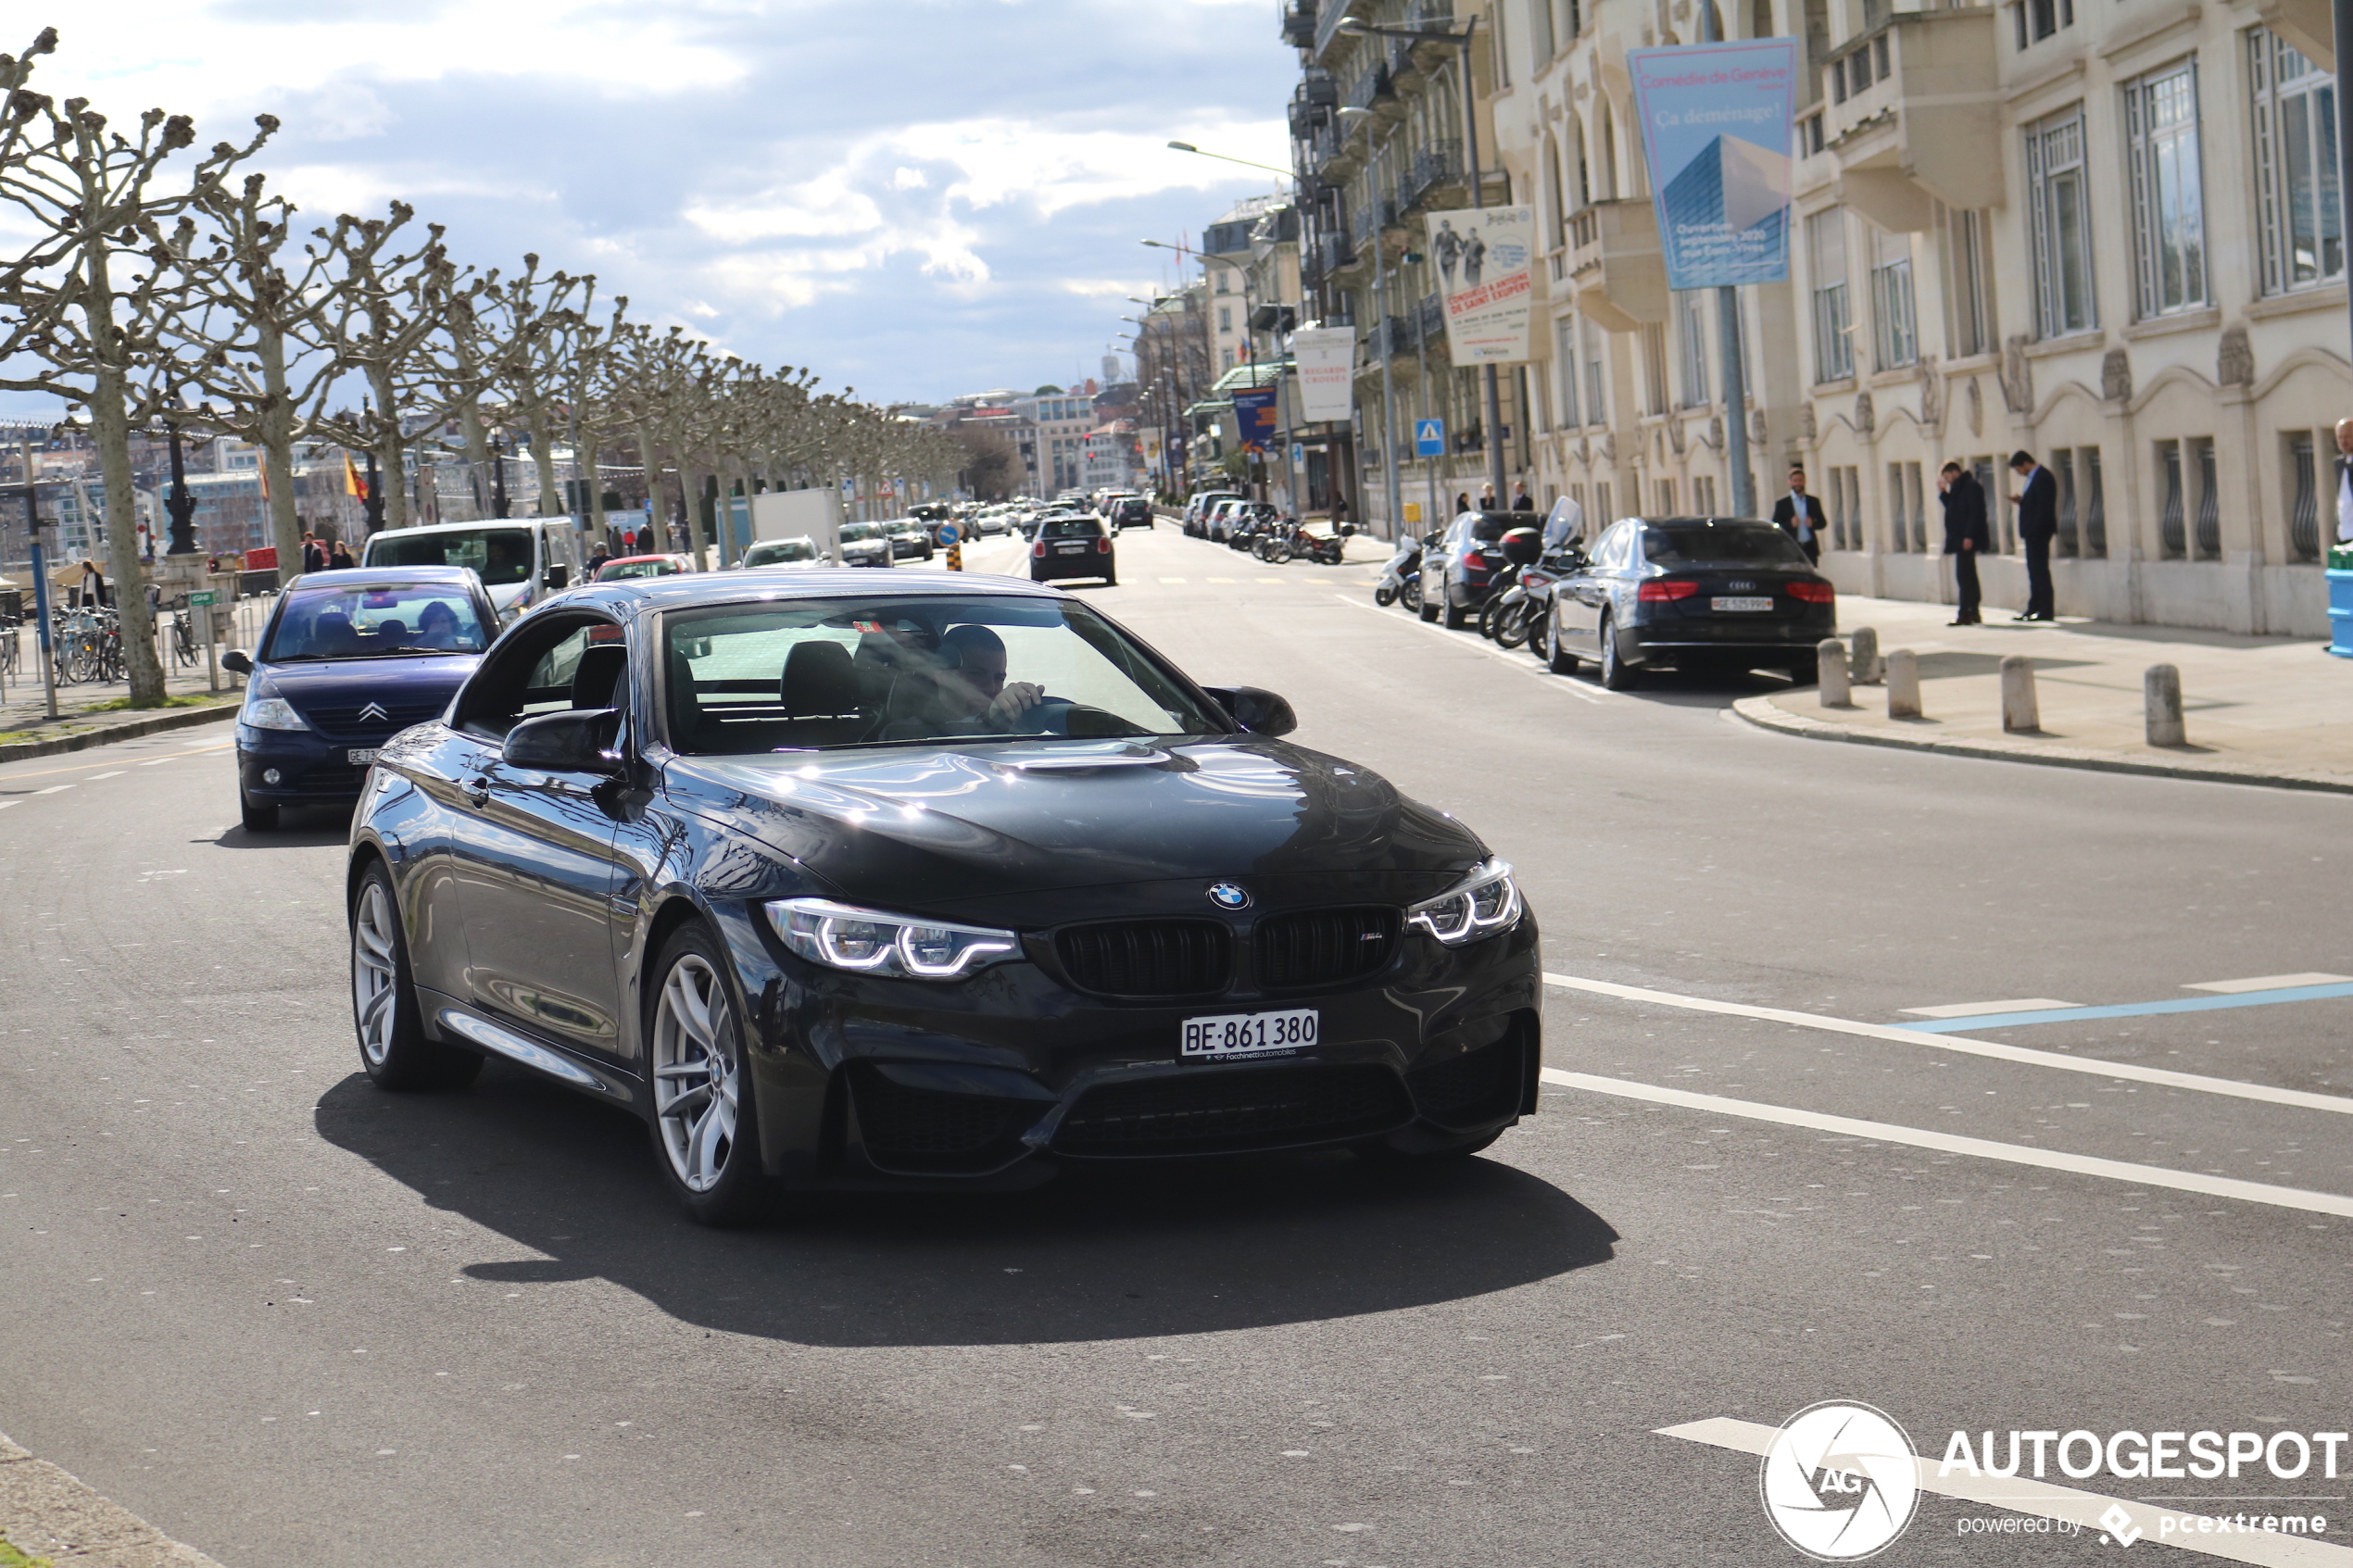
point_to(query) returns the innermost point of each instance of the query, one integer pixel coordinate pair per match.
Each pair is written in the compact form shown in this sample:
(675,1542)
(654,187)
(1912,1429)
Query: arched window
(1609,153)
(1552,193)
(1584,171)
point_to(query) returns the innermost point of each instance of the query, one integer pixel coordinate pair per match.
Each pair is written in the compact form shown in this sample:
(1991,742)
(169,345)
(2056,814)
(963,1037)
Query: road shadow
(299,827)
(1115,1254)
(1947,663)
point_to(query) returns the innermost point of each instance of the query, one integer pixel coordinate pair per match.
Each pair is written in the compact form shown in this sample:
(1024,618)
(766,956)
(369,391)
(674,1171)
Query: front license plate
(359,758)
(1249,1033)
(1744,606)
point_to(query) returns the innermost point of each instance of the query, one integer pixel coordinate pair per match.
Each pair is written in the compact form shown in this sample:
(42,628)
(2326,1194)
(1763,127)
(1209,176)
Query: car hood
(410,689)
(927,827)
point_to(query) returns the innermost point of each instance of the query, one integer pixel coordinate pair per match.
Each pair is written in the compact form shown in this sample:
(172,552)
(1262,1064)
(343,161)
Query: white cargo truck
(814,515)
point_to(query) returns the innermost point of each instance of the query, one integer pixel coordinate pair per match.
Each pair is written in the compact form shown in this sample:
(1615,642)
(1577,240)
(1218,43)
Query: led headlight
(869,941)
(1482,903)
(264,712)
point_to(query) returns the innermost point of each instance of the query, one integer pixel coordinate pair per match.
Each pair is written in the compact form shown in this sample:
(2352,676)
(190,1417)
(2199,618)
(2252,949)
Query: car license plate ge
(361,757)
(1741,605)
(1249,1033)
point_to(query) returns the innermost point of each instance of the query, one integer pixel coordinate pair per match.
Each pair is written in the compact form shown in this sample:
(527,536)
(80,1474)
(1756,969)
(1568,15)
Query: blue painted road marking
(2132,1010)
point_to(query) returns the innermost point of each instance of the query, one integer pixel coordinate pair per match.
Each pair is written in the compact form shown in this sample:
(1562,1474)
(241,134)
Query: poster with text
(1485,257)
(1255,418)
(1326,361)
(1715,132)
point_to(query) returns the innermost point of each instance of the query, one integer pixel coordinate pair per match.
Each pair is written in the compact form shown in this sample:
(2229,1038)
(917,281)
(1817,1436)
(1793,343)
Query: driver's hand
(1017,699)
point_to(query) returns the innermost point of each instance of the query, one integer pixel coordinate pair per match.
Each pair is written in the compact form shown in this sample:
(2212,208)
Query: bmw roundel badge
(1229,896)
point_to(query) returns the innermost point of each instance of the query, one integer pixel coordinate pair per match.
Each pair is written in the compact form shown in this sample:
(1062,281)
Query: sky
(916,198)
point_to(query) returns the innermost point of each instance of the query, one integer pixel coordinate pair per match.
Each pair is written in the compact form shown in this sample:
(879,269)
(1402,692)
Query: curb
(1761,712)
(47,1514)
(181,718)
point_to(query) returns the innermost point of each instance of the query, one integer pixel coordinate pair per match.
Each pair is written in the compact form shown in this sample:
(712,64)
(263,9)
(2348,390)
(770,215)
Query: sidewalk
(2268,710)
(26,729)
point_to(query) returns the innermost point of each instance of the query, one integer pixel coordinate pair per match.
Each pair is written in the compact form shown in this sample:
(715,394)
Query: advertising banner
(1255,418)
(1326,361)
(1716,125)
(1486,260)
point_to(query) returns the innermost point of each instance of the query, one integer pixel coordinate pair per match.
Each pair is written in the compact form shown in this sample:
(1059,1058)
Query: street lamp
(179,504)
(1227,157)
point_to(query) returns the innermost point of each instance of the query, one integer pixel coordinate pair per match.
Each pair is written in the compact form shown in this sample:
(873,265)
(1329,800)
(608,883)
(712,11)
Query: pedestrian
(1339,510)
(1521,502)
(314,555)
(1462,501)
(1800,516)
(340,558)
(2037,503)
(1965,537)
(2344,481)
(597,559)
(91,592)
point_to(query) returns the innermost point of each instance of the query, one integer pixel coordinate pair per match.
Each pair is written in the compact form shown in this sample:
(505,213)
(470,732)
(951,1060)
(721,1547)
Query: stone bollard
(1864,666)
(1903,684)
(2020,710)
(2161,695)
(1830,657)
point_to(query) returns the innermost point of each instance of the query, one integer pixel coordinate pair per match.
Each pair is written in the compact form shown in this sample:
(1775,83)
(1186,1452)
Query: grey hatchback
(1073,547)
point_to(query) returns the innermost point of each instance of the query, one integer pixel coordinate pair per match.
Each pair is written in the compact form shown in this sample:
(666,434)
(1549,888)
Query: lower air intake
(1222,1110)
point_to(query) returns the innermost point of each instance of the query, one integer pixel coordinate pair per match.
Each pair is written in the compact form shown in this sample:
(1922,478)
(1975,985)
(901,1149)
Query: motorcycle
(1246,530)
(1290,538)
(1506,602)
(1403,572)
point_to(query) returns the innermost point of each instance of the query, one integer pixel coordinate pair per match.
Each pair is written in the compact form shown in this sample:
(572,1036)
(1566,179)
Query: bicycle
(185,652)
(11,646)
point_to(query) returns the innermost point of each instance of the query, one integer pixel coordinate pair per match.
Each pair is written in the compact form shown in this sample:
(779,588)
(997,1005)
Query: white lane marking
(6,804)
(1970,1010)
(1480,645)
(52,789)
(1954,1143)
(2060,1060)
(1217,580)
(95,777)
(2267,983)
(2025,1494)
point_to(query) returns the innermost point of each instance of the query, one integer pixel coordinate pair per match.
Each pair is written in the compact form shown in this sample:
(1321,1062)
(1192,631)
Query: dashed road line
(2087,1510)
(1970,1010)
(1906,1034)
(2144,1010)
(2266,983)
(1955,1143)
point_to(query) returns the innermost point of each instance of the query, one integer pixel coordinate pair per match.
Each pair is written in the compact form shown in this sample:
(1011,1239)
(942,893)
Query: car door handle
(478,791)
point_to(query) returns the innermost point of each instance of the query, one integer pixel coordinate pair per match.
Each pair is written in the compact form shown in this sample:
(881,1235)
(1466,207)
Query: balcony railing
(1440,163)
(1431,317)
(1370,86)
(1299,23)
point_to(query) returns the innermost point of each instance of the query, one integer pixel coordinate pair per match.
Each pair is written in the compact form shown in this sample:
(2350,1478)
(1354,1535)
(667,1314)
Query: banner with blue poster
(1716,124)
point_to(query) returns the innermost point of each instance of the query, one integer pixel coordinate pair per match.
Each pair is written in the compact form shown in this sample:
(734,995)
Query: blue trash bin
(2341,612)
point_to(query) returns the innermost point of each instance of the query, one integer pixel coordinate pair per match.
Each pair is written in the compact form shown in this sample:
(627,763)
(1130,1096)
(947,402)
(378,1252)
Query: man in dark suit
(1800,516)
(2037,503)
(1965,536)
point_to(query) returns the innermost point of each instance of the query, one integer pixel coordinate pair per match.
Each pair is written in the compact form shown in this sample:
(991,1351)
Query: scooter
(1505,601)
(1405,571)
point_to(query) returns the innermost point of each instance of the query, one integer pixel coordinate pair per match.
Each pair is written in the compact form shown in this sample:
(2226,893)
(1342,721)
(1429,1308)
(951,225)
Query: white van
(521,561)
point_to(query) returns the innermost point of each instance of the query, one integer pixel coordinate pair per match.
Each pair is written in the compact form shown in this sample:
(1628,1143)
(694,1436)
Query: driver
(437,627)
(976,698)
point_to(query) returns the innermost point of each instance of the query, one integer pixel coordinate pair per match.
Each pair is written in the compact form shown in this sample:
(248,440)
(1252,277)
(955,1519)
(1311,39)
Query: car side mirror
(237,662)
(557,576)
(574,741)
(1256,710)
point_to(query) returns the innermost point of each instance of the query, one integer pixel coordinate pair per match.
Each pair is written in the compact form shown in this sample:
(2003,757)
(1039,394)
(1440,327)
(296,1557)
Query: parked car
(1456,575)
(800,552)
(865,543)
(909,538)
(1073,547)
(1133,512)
(874,915)
(348,660)
(626,567)
(1218,523)
(1693,594)
(1197,508)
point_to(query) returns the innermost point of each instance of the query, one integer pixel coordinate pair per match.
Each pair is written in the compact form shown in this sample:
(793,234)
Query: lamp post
(1387,401)
(179,504)
(499,476)
(1728,333)
(1460,40)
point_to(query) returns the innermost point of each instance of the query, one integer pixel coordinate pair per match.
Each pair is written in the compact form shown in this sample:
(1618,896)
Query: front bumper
(311,768)
(1002,1080)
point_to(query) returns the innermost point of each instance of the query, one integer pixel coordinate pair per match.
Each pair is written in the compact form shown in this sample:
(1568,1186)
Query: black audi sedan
(1691,592)
(349,658)
(947,884)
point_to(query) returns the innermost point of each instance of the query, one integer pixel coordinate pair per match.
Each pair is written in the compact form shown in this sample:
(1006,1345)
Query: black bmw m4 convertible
(944,882)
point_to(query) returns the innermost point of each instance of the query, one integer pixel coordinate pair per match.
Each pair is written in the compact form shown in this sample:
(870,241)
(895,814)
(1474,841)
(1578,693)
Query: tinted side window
(530,671)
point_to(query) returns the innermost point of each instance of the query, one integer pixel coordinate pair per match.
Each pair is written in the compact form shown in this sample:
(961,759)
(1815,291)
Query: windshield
(853,532)
(615,571)
(364,622)
(1071,528)
(502,555)
(829,673)
(1702,543)
(769,555)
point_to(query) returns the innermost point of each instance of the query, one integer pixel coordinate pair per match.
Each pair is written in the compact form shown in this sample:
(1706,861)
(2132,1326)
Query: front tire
(384,1013)
(1511,626)
(705,1132)
(1409,594)
(1617,674)
(1456,618)
(1557,660)
(1384,595)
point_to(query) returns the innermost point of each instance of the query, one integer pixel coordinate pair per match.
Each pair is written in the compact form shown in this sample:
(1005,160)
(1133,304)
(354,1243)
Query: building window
(2298,188)
(1703,494)
(2062,226)
(1564,338)
(1667,497)
(1596,407)
(1810,129)
(2065,542)
(2209,534)
(2037,19)
(1540,28)
(1898,536)
(2170,542)
(2094,504)
(1224,317)
(1972,309)
(2168,201)
(2304,504)
(1895,329)
(1221,284)
(1655,367)
(1833,313)
(1695,349)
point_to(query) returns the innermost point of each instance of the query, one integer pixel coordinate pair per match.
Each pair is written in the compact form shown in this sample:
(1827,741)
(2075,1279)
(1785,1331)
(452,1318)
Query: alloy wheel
(697,1075)
(375,974)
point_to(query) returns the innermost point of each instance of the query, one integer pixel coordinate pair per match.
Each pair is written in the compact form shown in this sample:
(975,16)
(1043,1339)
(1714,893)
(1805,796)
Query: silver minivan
(521,560)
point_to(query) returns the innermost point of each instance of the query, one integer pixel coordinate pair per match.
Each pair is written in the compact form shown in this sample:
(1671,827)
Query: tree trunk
(650,467)
(543,458)
(110,427)
(690,494)
(277,445)
(592,489)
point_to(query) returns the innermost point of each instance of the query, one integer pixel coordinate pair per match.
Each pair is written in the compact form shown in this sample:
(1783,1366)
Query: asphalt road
(297,1323)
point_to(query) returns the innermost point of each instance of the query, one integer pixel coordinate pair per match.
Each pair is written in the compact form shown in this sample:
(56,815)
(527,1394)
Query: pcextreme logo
(1840,1482)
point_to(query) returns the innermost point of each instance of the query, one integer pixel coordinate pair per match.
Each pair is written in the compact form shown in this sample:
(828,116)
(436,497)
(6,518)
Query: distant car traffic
(1073,547)
(910,537)
(348,660)
(627,567)
(1693,594)
(851,884)
(865,543)
(1132,512)
(800,552)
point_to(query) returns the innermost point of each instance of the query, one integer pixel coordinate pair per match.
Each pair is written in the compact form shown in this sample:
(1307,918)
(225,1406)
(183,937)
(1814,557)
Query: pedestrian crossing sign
(1429,438)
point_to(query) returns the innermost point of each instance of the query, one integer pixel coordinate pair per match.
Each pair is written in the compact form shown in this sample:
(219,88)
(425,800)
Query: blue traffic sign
(1429,438)
(948,533)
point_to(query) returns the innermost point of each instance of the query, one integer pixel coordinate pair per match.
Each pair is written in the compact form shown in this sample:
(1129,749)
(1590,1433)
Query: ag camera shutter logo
(1840,1482)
